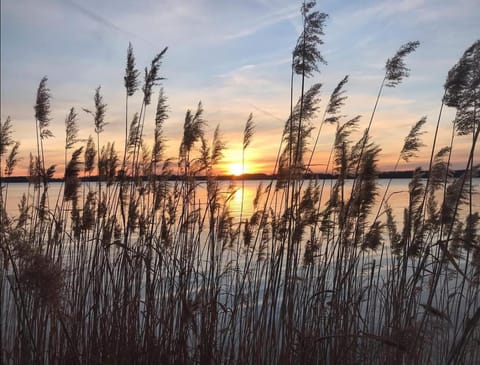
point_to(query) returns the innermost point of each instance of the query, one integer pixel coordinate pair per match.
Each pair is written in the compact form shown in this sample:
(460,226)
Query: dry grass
(137,269)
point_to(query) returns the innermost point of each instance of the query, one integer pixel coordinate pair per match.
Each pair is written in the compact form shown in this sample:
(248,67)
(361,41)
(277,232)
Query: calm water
(398,199)
(397,196)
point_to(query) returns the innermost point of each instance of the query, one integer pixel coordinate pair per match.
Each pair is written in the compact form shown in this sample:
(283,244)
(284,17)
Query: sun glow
(237,169)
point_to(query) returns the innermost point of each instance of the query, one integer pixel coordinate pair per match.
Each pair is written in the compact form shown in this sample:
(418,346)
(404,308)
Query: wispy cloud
(264,21)
(104,22)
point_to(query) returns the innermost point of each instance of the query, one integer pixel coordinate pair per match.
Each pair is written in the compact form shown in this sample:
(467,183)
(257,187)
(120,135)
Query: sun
(236,169)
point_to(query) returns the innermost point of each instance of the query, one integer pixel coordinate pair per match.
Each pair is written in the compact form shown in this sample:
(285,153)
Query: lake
(176,281)
(397,196)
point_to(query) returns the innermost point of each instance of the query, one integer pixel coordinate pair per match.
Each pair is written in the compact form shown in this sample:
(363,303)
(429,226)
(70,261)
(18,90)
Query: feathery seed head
(395,68)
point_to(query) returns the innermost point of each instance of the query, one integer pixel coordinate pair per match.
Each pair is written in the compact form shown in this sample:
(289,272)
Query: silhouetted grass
(140,269)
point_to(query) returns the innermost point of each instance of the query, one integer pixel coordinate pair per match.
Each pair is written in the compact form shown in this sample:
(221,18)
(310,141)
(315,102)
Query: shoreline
(246,177)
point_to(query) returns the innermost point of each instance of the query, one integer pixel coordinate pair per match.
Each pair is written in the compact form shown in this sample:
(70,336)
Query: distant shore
(381,175)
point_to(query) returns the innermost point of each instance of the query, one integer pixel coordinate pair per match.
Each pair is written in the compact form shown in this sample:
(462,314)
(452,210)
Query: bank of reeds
(136,268)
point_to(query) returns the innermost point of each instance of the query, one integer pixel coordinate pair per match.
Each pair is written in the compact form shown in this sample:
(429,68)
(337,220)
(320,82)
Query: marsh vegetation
(135,268)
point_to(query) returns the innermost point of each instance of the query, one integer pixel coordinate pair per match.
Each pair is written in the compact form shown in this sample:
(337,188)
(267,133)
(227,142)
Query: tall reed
(151,265)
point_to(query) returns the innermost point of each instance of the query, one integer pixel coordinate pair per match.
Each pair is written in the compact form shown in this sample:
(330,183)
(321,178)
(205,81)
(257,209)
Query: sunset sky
(235,57)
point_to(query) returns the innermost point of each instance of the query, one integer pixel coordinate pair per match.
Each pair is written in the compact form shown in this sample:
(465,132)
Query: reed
(143,268)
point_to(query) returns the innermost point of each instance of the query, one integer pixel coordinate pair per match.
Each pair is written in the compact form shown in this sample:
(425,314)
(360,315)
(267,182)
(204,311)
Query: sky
(234,57)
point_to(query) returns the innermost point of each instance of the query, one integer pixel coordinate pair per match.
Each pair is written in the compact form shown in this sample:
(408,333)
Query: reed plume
(151,76)
(90,154)
(395,68)
(71,129)
(108,163)
(131,78)
(131,82)
(12,159)
(5,135)
(72,182)
(296,133)
(134,138)
(42,119)
(43,277)
(248,132)
(161,116)
(306,54)
(100,110)
(412,142)
(218,146)
(192,131)
(42,109)
(336,101)
(462,89)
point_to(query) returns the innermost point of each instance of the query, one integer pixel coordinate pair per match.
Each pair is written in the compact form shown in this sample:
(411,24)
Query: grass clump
(150,265)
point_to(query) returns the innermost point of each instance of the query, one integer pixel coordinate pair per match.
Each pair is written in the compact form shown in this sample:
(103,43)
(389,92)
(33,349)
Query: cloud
(98,19)
(264,21)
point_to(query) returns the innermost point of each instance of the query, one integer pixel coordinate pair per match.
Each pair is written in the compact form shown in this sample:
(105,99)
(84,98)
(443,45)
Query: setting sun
(237,169)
